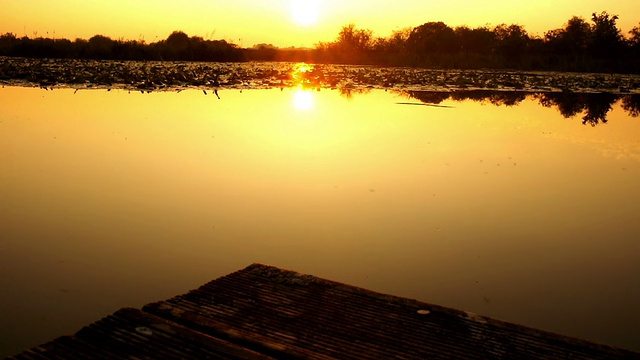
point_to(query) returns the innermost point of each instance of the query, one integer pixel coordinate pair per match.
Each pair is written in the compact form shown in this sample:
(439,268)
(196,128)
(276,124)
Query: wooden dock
(263,312)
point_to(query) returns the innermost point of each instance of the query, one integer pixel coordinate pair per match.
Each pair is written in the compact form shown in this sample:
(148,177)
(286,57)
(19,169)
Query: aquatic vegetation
(171,76)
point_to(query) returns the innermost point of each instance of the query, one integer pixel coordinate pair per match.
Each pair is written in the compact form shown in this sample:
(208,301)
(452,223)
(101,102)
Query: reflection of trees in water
(429,97)
(597,107)
(631,104)
(568,104)
(594,106)
(348,92)
(506,98)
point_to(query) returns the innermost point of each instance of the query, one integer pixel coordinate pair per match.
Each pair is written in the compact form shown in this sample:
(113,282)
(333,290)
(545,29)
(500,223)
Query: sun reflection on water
(300,74)
(303,99)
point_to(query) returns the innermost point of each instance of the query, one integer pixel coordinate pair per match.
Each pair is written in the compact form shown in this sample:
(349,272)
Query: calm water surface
(111,199)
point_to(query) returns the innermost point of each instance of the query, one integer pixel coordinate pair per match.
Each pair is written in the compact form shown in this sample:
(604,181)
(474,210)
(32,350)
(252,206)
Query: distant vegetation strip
(597,45)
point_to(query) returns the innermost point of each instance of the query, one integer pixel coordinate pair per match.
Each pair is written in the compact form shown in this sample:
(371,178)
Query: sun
(305,12)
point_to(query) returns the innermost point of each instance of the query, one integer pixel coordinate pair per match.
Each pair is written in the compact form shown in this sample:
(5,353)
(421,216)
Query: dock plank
(295,311)
(131,333)
(264,312)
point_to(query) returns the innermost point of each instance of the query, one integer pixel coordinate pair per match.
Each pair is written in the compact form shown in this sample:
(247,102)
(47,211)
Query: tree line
(597,45)
(176,47)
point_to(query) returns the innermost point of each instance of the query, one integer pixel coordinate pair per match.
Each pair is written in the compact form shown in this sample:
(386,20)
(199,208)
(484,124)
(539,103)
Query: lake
(522,207)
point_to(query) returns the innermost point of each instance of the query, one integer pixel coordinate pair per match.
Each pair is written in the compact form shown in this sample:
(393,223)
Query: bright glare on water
(111,200)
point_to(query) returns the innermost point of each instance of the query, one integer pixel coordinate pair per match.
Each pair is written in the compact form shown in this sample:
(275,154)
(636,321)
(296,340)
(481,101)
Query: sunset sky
(248,22)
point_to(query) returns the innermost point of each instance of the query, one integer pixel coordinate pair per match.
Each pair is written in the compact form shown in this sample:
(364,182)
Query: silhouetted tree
(606,39)
(133,49)
(570,43)
(429,42)
(634,36)
(397,42)
(100,47)
(392,50)
(634,41)
(573,38)
(7,42)
(178,46)
(481,40)
(354,39)
(512,43)
(352,46)
(263,52)
(221,50)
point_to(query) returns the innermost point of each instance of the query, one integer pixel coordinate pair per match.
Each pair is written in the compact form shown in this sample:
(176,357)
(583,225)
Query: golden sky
(248,22)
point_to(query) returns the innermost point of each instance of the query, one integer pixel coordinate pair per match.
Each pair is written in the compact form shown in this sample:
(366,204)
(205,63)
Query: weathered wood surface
(266,312)
(131,333)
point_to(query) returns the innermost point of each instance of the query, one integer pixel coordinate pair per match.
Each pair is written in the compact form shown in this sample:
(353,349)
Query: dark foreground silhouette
(597,45)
